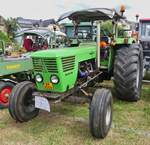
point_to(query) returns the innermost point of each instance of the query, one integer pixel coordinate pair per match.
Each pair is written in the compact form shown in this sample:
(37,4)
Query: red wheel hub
(4,95)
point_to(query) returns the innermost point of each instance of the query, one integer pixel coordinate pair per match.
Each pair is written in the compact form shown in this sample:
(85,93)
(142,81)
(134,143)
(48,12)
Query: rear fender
(9,80)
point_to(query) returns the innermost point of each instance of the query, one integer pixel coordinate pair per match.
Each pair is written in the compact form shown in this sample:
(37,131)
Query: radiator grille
(45,64)
(68,63)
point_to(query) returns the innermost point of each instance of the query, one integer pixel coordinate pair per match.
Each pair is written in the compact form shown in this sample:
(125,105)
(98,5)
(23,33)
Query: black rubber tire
(3,85)
(128,72)
(21,106)
(102,102)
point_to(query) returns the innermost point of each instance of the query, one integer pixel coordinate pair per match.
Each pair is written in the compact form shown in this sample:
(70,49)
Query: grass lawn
(67,124)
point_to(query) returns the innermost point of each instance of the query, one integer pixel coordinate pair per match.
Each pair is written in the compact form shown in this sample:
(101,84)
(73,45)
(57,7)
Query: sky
(45,9)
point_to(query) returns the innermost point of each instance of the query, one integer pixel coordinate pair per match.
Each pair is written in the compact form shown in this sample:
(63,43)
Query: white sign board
(42,103)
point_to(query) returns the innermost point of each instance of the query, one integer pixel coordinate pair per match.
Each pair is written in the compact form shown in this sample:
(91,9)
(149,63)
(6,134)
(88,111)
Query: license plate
(48,86)
(42,103)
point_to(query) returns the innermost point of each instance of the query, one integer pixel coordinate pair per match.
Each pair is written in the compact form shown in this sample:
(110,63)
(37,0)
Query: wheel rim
(138,76)
(108,115)
(4,95)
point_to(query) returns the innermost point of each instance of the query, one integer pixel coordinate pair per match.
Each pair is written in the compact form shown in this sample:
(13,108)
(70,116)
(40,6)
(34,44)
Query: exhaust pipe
(98,23)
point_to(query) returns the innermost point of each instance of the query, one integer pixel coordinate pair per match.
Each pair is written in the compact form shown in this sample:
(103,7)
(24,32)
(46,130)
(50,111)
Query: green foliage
(4,37)
(107,29)
(12,26)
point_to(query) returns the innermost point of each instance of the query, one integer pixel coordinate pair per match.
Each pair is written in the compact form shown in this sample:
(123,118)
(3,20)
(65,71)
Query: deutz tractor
(60,73)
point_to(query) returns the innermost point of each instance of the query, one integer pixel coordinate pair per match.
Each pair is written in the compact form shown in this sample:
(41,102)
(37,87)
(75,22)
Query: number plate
(42,103)
(48,86)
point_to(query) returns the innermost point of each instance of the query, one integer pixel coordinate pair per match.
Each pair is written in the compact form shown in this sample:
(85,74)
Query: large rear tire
(101,113)
(5,92)
(128,72)
(22,103)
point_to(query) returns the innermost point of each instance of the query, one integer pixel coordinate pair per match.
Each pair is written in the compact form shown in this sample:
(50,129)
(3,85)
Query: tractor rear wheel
(5,92)
(22,103)
(128,72)
(101,113)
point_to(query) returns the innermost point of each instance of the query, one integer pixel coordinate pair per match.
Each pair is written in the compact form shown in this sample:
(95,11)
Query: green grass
(67,124)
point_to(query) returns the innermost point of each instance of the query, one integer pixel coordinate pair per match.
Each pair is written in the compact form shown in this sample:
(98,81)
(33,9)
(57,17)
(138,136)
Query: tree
(4,37)
(12,26)
(107,29)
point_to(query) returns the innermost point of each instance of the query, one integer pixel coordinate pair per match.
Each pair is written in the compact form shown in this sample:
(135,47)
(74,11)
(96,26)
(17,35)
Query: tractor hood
(62,62)
(92,14)
(65,52)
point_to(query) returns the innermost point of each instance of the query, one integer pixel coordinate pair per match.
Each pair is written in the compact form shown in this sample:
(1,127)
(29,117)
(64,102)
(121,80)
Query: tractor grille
(45,65)
(68,63)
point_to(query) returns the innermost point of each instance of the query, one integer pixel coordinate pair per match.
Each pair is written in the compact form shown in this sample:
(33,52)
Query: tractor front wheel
(22,103)
(5,92)
(128,72)
(101,113)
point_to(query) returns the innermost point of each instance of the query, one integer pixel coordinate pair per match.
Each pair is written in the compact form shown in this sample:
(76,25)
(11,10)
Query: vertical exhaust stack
(98,23)
(122,10)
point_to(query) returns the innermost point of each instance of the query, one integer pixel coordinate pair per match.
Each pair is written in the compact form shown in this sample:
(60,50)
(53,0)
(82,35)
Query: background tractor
(144,37)
(60,73)
(13,70)
(16,63)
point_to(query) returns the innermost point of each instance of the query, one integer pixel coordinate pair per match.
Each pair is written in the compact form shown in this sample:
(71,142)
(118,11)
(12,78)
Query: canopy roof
(41,32)
(91,14)
(35,31)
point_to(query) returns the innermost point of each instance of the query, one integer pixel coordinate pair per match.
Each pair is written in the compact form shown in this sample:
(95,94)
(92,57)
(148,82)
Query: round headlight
(54,79)
(38,78)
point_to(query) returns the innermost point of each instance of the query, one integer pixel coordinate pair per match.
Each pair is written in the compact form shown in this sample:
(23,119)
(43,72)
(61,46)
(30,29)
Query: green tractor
(13,70)
(60,73)
(17,66)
